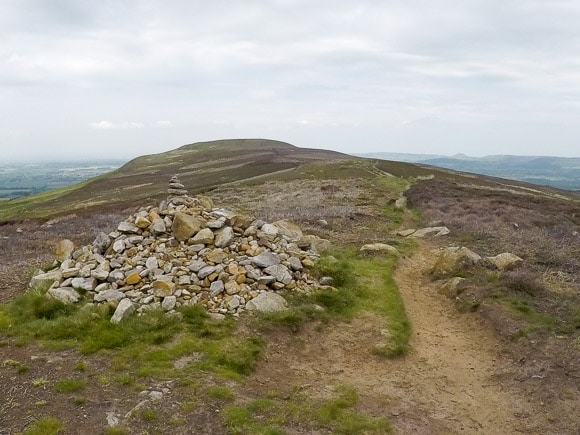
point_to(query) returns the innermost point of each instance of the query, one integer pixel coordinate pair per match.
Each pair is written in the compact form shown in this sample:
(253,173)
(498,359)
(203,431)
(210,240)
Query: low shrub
(523,281)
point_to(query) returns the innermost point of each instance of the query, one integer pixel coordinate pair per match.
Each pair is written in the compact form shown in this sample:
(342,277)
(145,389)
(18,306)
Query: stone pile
(185,251)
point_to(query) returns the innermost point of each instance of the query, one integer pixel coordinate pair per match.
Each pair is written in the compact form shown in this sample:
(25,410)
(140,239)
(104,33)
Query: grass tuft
(69,385)
(336,415)
(45,426)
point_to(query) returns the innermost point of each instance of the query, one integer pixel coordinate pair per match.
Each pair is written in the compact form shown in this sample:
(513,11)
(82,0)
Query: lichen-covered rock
(85,284)
(47,278)
(505,261)
(265,259)
(128,227)
(163,288)
(379,247)
(109,295)
(64,250)
(452,287)
(317,244)
(429,231)
(454,258)
(101,243)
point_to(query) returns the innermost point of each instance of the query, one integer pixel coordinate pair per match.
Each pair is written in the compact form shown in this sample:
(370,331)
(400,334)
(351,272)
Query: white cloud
(262,66)
(107,125)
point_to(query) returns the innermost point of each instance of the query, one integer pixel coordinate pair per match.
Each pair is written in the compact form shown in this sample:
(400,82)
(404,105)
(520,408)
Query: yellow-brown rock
(163,288)
(185,226)
(64,250)
(142,222)
(133,278)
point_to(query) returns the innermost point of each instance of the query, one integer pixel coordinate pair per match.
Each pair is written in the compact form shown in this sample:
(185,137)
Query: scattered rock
(267,303)
(454,258)
(405,233)
(401,203)
(379,247)
(505,261)
(452,287)
(430,231)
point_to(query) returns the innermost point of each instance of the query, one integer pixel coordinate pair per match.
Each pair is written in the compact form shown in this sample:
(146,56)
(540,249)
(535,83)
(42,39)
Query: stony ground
(459,377)
(456,379)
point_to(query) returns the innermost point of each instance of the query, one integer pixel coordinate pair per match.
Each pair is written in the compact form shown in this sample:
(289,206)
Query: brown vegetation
(536,307)
(533,308)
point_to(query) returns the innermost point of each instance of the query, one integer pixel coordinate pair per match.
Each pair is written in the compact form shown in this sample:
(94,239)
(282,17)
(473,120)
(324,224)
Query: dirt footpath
(444,385)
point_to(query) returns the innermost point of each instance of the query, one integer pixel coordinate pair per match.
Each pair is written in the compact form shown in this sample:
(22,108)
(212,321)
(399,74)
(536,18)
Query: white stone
(216,288)
(267,303)
(125,309)
(119,246)
(128,227)
(168,303)
(66,295)
(109,295)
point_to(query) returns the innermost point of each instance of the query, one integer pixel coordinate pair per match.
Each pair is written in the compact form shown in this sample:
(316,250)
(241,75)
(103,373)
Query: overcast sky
(123,78)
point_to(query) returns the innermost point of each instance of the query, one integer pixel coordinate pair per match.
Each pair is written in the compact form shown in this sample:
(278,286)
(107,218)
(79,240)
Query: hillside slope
(200,165)
(502,355)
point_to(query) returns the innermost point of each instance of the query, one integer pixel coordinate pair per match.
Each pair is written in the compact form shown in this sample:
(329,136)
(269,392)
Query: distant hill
(560,172)
(202,166)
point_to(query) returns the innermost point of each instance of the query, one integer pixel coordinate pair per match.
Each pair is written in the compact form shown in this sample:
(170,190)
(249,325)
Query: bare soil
(448,383)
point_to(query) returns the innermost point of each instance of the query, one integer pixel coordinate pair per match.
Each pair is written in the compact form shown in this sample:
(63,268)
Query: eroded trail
(444,385)
(454,359)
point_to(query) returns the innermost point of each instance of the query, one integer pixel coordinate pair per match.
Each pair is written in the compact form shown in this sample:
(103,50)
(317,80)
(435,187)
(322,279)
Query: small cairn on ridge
(185,251)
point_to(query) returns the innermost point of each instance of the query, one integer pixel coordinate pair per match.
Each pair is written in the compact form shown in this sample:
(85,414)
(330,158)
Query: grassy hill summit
(448,302)
(201,166)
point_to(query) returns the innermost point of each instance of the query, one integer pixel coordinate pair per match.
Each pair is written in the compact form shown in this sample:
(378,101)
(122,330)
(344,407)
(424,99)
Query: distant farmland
(19,179)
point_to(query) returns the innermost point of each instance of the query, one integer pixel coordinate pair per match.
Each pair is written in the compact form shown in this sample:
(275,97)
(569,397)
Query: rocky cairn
(185,251)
